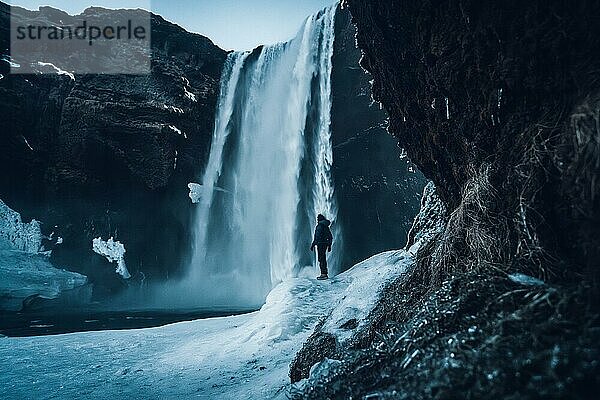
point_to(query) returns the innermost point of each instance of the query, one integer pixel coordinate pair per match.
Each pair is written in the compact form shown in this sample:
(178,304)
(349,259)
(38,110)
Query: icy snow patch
(525,280)
(197,191)
(174,109)
(9,61)
(369,278)
(429,222)
(243,356)
(177,130)
(186,92)
(58,70)
(114,251)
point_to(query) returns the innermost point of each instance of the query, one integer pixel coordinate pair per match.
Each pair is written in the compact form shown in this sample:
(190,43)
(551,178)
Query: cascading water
(270,160)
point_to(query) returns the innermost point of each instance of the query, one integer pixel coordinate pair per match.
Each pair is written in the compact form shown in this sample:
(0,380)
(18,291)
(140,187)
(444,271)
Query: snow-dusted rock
(429,222)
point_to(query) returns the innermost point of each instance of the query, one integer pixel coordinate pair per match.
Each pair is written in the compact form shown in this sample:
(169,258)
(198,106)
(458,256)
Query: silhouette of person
(323,239)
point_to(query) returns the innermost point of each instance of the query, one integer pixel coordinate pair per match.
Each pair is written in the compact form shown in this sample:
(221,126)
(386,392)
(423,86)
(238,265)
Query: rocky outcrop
(111,155)
(377,190)
(494,103)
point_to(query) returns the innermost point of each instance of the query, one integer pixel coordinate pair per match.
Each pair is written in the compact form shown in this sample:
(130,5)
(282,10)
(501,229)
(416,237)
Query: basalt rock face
(378,192)
(494,102)
(109,155)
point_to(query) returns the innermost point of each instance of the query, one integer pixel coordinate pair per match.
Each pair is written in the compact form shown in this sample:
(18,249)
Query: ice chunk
(114,251)
(15,234)
(197,191)
(25,270)
(525,280)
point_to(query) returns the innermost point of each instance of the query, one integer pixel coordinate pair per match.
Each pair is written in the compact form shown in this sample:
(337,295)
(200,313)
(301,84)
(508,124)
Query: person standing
(322,240)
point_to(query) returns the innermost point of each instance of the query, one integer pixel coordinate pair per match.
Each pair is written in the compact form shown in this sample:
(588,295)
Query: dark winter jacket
(323,233)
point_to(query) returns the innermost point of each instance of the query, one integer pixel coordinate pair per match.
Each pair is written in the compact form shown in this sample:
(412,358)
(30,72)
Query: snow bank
(244,356)
(369,278)
(113,251)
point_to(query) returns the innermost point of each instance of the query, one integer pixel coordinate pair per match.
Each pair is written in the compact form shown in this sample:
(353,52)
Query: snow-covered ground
(237,357)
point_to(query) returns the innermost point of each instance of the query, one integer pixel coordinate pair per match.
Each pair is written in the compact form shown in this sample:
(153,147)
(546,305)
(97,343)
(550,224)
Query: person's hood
(325,222)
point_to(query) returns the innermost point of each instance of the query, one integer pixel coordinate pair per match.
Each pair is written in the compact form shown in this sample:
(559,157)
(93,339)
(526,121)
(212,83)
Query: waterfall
(270,160)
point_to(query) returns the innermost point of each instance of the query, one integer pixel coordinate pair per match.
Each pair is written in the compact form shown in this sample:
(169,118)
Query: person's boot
(322,277)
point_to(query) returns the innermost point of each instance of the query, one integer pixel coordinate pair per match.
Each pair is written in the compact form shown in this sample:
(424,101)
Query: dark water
(22,324)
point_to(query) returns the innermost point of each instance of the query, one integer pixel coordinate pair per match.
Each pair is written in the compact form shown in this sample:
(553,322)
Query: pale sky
(231,24)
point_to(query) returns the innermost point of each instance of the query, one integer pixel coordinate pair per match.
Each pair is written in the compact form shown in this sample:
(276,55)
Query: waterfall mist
(268,173)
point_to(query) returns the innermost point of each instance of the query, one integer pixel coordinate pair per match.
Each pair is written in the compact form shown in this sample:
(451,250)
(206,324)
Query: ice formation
(17,235)
(113,251)
(25,270)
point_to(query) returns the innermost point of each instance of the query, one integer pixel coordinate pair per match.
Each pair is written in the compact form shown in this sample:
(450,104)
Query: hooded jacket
(323,233)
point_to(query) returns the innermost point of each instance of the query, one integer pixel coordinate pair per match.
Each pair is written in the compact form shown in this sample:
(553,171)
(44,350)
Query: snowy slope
(234,357)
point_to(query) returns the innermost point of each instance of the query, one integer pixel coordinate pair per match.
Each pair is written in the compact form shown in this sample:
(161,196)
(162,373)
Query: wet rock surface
(493,98)
(476,336)
(377,190)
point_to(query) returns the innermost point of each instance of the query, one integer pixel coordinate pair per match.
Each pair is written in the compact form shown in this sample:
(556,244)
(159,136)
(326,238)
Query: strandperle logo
(89,33)
(97,41)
